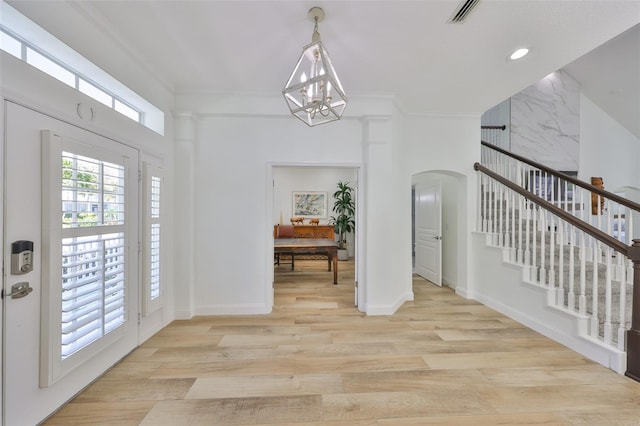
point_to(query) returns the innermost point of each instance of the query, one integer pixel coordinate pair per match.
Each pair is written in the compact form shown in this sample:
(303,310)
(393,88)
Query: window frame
(151,304)
(52,365)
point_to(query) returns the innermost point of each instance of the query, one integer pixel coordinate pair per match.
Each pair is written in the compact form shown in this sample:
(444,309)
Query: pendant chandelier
(313,92)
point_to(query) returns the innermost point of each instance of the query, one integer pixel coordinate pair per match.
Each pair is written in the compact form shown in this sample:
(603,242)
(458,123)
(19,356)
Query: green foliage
(84,179)
(345,209)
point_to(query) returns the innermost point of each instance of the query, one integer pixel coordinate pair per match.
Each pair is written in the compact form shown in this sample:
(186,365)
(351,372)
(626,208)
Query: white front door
(428,224)
(52,348)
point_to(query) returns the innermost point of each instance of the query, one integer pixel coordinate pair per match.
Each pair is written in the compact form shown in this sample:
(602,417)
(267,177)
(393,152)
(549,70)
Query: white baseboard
(389,309)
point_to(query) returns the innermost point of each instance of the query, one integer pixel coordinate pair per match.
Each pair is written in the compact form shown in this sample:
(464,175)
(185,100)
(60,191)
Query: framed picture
(311,204)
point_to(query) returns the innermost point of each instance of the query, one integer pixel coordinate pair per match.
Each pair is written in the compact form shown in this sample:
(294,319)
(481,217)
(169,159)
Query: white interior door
(428,217)
(29,396)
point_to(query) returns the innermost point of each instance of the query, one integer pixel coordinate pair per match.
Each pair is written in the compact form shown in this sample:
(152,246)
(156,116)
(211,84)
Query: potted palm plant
(343,222)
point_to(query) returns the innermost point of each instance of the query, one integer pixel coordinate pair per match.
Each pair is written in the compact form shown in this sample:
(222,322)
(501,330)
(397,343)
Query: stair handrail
(604,193)
(569,218)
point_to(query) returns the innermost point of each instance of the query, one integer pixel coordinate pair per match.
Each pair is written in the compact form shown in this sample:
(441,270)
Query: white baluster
(490,204)
(608,300)
(543,233)
(513,255)
(629,226)
(561,230)
(506,215)
(534,237)
(595,322)
(480,194)
(572,277)
(486,204)
(527,251)
(553,229)
(582,296)
(500,215)
(521,215)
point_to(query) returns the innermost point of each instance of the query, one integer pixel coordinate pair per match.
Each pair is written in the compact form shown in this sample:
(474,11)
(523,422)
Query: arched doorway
(446,192)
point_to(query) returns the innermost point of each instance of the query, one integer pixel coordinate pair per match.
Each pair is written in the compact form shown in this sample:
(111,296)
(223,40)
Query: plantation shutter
(152,238)
(86,256)
(93,258)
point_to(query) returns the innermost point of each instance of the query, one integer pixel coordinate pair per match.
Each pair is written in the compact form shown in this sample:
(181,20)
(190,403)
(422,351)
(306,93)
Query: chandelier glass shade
(313,92)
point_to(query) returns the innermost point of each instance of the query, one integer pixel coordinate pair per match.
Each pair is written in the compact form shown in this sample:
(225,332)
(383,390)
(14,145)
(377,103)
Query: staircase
(540,222)
(578,273)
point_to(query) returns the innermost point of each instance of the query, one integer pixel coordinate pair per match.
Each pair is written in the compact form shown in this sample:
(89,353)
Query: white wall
(607,149)
(234,157)
(449,231)
(287,179)
(388,214)
(233,205)
(449,145)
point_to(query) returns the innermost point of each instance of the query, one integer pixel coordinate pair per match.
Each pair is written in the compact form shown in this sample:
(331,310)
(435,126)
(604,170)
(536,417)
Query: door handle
(18,291)
(437,237)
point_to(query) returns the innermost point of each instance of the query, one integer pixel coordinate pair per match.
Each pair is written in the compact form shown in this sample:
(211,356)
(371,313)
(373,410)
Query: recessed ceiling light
(520,53)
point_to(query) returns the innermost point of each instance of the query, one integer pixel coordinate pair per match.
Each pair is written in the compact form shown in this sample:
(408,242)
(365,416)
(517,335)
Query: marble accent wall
(545,122)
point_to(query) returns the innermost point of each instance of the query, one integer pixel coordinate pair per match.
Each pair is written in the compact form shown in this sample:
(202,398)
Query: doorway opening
(317,183)
(439,226)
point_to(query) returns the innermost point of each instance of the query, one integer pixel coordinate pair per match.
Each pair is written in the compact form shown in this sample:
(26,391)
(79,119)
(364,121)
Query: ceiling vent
(463,10)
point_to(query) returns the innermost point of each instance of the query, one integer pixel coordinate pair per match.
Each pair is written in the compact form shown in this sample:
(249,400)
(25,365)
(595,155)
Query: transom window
(27,41)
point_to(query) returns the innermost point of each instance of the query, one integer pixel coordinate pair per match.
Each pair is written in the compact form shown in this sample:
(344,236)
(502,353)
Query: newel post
(633,335)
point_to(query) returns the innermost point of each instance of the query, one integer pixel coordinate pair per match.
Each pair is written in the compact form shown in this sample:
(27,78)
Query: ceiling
(401,49)
(610,76)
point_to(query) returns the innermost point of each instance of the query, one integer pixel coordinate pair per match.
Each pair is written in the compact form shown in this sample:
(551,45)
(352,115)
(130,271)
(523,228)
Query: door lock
(18,291)
(21,257)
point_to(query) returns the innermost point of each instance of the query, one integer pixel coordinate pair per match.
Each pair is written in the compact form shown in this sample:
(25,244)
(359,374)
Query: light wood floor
(317,361)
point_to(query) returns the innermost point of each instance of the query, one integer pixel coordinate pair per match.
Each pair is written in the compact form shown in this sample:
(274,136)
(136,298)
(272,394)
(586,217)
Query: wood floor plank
(575,374)
(265,385)
(410,380)
(561,398)
(235,411)
(437,401)
(245,367)
(107,389)
(359,363)
(316,360)
(125,413)
(504,360)
(528,419)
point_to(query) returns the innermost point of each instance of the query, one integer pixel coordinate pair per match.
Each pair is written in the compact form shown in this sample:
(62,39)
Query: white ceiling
(403,49)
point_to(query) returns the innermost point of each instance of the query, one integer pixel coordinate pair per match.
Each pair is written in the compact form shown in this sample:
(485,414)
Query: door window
(86,261)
